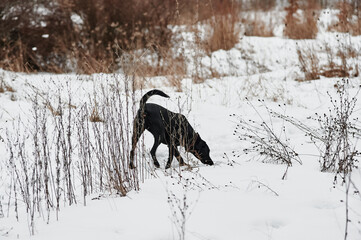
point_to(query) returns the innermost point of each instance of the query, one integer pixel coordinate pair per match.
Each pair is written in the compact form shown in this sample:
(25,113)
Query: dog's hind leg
(153,151)
(171,155)
(138,129)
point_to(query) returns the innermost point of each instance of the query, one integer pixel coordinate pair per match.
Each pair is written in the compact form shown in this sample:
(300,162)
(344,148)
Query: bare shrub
(338,132)
(339,61)
(309,62)
(301,27)
(180,211)
(180,202)
(264,140)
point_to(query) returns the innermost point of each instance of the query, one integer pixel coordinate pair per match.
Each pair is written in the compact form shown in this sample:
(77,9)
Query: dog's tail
(149,94)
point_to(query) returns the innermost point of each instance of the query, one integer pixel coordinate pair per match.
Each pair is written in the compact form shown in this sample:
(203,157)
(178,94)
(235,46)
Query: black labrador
(172,129)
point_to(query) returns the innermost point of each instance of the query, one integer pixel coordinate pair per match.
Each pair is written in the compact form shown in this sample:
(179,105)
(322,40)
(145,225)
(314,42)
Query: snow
(76,19)
(238,197)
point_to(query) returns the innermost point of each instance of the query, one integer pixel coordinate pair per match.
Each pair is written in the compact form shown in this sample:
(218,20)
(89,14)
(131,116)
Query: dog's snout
(209,162)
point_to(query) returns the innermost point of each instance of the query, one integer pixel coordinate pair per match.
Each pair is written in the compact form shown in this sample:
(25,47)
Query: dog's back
(166,125)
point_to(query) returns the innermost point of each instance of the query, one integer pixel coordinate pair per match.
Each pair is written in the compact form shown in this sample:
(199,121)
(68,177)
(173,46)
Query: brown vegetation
(5,87)
(309,63)
(258,27)
(301,27)
(349,18)
(90,36)
(338,64)
(225,33)
(224,26)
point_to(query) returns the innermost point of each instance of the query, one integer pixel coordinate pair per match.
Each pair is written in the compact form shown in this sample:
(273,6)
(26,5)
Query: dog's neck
(192,142)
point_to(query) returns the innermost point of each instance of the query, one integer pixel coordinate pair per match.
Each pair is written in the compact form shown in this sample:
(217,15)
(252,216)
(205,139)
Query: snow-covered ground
(237,198)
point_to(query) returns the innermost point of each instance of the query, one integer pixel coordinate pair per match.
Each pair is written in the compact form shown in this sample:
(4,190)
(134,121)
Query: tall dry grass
(256,26)
(349,18)
(336,61)
(89,36)
(301,26)
(61,155)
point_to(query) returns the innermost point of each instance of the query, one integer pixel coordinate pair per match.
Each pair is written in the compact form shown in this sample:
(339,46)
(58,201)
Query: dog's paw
(156,164)
(183,164)
(131,165)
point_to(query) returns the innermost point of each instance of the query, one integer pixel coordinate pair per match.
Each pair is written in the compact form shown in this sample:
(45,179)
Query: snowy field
(239,197)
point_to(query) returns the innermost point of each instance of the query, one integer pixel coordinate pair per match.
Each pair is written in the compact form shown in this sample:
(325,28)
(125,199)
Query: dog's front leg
(171,155)
(178,157)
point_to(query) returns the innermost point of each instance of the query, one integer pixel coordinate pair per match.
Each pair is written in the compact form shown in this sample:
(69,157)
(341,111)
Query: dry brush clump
(301,25)
(91,36)
(257,27)
(259,5)
(59,159)
(225,33)
(309,63)
(265,142)
(58,36)
(337,134)
(224,26)
(181,208)
(340,61)
(349,18)
(4,85)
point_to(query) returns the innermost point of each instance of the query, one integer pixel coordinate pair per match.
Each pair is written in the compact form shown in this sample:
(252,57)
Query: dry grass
(259,5)
(301,27)
(225,33)
(349,18)
(5,87)
(155,62)
(54,112)
(56,43)
(309,63)
(95,116)
(258,27)
(224,26)
(338,62)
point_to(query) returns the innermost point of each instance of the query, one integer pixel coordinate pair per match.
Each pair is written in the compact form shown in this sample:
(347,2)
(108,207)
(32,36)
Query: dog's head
(201,151)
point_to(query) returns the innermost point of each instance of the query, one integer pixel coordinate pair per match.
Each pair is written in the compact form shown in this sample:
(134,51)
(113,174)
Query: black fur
(172,129)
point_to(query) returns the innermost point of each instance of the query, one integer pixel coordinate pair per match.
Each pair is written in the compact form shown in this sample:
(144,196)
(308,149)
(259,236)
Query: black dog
(168,128)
